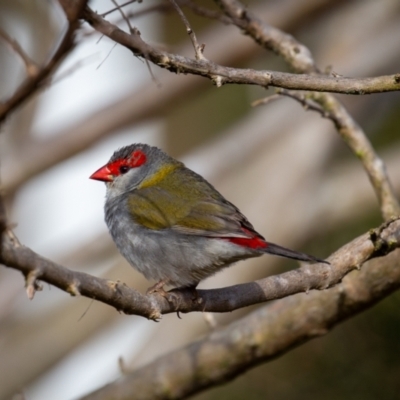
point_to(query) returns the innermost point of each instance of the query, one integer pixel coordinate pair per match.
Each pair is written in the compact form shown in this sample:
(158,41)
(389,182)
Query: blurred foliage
(204,117)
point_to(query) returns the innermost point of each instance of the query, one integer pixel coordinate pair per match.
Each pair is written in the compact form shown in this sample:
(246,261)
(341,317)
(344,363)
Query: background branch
(300,59)
(31,67)
(261,336)
(38,75)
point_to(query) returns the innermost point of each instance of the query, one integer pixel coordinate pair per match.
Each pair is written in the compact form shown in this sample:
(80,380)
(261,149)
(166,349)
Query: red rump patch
(255,242)
(252,243)
(136,159)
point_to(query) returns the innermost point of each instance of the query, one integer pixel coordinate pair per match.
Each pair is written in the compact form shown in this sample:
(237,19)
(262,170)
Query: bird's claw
(158,288)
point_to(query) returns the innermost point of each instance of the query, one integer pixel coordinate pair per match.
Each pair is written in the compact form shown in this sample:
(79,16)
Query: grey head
(130,165)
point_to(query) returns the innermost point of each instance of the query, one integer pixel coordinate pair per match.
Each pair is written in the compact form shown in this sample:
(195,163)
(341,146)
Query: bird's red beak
(102,174)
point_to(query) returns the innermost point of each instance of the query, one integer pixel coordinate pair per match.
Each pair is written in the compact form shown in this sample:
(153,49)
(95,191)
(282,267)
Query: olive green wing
(184,202)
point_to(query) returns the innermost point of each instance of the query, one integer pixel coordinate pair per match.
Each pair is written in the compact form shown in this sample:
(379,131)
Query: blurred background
(284,167)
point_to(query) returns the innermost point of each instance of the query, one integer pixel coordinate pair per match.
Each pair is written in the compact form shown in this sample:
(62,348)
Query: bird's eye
(123,169)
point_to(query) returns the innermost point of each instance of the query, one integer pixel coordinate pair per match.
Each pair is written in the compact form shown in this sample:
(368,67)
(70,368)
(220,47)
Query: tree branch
(222,75)
(37,76)
(30,66)
(376,243)
(356,139)
(300,59)
(3,218)
(261,336)
(143,103)
(353,135)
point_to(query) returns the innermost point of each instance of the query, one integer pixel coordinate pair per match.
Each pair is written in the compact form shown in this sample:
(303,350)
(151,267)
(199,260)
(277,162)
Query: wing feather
(186,203)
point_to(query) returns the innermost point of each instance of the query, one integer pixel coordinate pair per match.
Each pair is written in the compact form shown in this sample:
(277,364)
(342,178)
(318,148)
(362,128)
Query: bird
(171,224)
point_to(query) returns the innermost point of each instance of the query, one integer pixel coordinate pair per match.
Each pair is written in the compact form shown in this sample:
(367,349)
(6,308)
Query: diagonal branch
(353,135)
(30,65)
(378,242)
(118,7)
(355,138)
(37,76)
(300,59)
(261,336)
(3,219)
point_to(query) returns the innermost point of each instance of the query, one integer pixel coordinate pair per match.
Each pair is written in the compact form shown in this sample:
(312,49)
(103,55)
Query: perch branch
(259,337)
(376,243)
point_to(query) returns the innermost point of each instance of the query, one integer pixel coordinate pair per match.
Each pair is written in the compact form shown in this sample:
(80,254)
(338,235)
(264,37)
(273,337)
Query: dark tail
(283,252)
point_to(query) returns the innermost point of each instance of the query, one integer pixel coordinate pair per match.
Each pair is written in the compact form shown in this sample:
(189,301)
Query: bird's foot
(158,288)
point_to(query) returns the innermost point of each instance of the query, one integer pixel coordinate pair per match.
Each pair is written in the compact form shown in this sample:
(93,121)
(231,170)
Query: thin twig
(131,14)
(118,7)
(31,67)
(135,31)
(266,100)
(125,18)
(108,55)
(304,99)
(197,48)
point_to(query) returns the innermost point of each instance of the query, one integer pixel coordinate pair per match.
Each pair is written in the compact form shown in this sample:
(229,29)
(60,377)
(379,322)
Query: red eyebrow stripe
(136,159)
